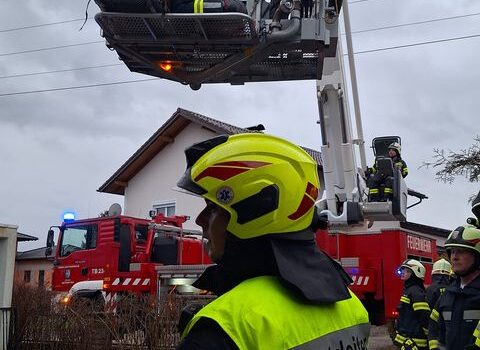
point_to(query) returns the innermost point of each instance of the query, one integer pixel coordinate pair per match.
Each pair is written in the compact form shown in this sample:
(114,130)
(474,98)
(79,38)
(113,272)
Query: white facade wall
(8,249)
(154,183)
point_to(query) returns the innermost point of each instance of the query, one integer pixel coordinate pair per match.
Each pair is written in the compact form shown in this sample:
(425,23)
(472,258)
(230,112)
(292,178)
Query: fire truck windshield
(78,238)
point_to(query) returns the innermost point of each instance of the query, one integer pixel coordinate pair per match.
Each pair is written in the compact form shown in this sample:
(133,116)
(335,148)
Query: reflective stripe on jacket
(260,313)
(455,316)
(413,313)
(476,334)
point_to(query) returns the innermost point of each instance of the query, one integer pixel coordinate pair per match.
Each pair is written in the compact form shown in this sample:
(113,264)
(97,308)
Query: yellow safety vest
(260,313)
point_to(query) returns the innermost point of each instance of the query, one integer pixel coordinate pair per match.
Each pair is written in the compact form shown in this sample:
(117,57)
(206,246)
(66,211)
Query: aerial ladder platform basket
(235,48)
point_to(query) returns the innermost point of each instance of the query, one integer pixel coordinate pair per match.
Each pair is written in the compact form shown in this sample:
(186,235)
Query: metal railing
(5,326)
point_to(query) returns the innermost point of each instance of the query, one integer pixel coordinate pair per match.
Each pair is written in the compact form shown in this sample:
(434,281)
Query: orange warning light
(166,66)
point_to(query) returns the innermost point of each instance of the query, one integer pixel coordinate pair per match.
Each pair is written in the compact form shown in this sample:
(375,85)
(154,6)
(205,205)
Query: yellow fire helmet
(441,267)
(267,184)
(466,236)
(415,266)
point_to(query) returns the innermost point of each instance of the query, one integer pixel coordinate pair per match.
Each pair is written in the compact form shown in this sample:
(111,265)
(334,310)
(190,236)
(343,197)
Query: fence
(140,322)
(5,326)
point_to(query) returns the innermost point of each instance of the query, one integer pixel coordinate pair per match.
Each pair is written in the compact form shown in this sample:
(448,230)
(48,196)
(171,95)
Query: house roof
(117,183)
(34,254)
(22,237)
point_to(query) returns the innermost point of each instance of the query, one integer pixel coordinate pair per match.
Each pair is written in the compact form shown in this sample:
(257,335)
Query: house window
(41,278)
(27,275)
(165,208)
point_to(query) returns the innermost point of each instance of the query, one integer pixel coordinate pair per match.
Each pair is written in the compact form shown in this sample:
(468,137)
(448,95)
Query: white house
(148,178)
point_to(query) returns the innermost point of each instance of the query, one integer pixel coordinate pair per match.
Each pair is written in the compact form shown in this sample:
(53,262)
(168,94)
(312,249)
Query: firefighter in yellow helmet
(457,311)
(441,272)
(413,311)
(275,289)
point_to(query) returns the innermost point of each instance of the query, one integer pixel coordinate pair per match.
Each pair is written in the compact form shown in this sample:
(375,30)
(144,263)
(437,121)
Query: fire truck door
(125,253)
(76,247)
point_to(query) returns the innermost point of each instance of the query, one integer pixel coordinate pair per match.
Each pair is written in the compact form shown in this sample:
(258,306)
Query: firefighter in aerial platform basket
(411,325)
(441,278)
(380,184)
(275,289)
(457,312)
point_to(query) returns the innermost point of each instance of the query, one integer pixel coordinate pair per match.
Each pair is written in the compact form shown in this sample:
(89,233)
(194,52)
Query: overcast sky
(58,147)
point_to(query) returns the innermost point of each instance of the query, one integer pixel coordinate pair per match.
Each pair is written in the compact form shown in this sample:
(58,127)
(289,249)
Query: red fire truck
(372,259)
(94,256)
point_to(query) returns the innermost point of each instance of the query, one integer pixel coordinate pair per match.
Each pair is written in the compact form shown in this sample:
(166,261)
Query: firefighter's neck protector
(267,184)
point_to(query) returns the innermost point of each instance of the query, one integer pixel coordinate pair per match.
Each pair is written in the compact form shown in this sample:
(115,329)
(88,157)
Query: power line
(149,79)
(417,44)
(416,23)
(100,41)
(75,87)
(50,48)
(60,71)
(41,25)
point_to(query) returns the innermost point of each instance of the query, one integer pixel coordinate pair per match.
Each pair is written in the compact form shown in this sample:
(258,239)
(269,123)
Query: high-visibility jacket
(207,6)
(398,163)
(413,312)
(260,313)
(476,334)
(455,316)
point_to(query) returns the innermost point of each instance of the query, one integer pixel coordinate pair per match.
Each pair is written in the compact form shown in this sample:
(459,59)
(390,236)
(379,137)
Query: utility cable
(41,25)
(416,23)
(50,48)
(354,32)
(75,87)
(416,44)
(60,70)
(141,80)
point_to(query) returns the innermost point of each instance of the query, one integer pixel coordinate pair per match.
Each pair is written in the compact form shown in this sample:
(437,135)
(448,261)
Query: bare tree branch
(465,163)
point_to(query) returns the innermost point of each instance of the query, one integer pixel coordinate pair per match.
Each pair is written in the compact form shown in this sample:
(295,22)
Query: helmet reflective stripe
(415,266)
(466,236)
(267,184)
(442,267)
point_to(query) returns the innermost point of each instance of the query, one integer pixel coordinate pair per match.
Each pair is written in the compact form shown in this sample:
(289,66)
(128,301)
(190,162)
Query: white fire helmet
(396,146)
(415,266)
(441,267)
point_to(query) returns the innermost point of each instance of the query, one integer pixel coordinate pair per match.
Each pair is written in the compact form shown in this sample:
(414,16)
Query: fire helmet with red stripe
(267,184)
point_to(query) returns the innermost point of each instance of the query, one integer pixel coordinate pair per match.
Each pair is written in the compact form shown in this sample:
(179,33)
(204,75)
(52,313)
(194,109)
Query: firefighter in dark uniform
(441,272)
(457,311)
(377,179)
(413,311)
(275,289)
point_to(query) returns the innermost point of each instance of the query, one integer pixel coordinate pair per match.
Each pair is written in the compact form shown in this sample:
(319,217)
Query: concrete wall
(8,247)
(34,266)
(155,182)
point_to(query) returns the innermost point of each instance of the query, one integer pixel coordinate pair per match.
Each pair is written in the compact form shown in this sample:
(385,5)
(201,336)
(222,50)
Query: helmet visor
(187,184)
